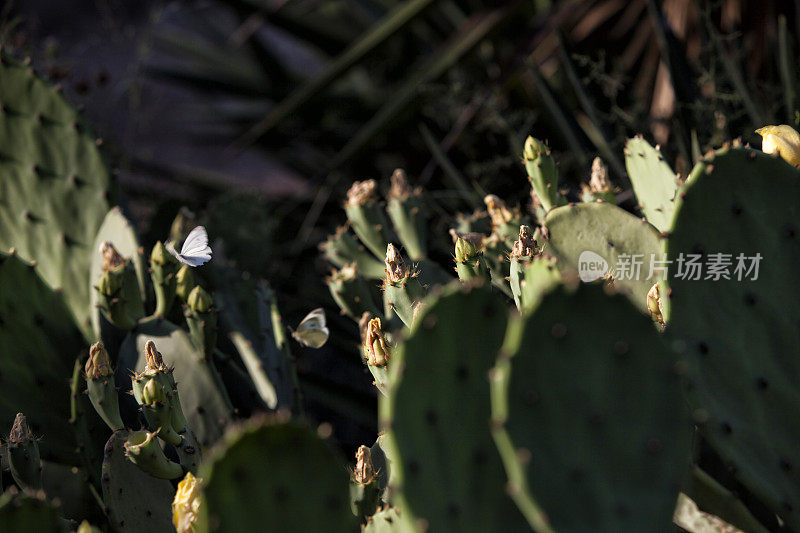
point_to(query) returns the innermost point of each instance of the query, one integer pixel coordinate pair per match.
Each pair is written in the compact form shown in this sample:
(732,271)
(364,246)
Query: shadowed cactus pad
(448,473)
(135,501)
(38,346)
(54,186)
(276,477)
(740,337)
(593,433)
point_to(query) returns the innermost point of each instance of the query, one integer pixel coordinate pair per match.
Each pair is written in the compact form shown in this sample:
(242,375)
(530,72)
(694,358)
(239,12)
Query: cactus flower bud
(364,472)
(655,305)
(465,249)
(598,183)
(396,270)
(525,245)
(498,212)
(22,453)
(782,140)
(186,507)
(98,365)
(111,258)
(184,222)
(185,282)
(400,187)
(110,282)
(160,256)
(375,344)
(199,300)
(362,192)
(542,171)
(154,393)
(20,432)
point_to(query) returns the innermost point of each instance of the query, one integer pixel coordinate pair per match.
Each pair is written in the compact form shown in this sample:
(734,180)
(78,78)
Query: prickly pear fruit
(542,172)
(401,287)
(23,455)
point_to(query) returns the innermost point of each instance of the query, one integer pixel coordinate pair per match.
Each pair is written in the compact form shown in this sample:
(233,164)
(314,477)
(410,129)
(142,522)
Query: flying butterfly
(195,250)
(312,330)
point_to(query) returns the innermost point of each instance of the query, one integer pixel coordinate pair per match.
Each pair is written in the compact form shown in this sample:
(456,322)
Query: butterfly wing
(195,250)
(312,330)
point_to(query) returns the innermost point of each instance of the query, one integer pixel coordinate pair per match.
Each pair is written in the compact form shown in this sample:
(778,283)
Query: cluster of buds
(525,245)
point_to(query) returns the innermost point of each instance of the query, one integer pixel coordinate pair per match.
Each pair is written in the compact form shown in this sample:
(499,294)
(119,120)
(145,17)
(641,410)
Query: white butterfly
(312,330)
(195,250)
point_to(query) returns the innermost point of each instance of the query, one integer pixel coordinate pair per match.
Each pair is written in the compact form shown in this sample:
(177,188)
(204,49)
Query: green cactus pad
(54,186)
(654,182)
(609,232)
(26,512)
(203,403)
(135,501)
(117,230)
(38,345)
(596,433)
(448,474)
(342,248)
(299,484)
(384,521)
(740,337)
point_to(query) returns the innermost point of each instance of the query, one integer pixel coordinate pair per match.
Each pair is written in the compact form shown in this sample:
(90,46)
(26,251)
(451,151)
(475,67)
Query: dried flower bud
(599,183)
(376,347)
(400,187)
(111,258)
(498,212)
(186,505)
(396,270)
(98,365)
(655,305)
(782,140)
(20,432)
(364,472)
(525,245)
(362,192)
(199,300)
(153,360)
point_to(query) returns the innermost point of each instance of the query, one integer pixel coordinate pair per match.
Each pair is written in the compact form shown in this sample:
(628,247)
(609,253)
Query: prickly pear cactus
(38,345)
(54,186)
(605,233)
(134,499)
(28,512)
(587,403)
(204,404)
(294,476)
(740,335)
(117,230)
(386,520)
(448,474)
(654,182)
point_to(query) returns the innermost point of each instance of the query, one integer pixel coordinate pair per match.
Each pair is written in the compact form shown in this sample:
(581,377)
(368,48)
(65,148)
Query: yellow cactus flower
(186,506)
(782,140)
